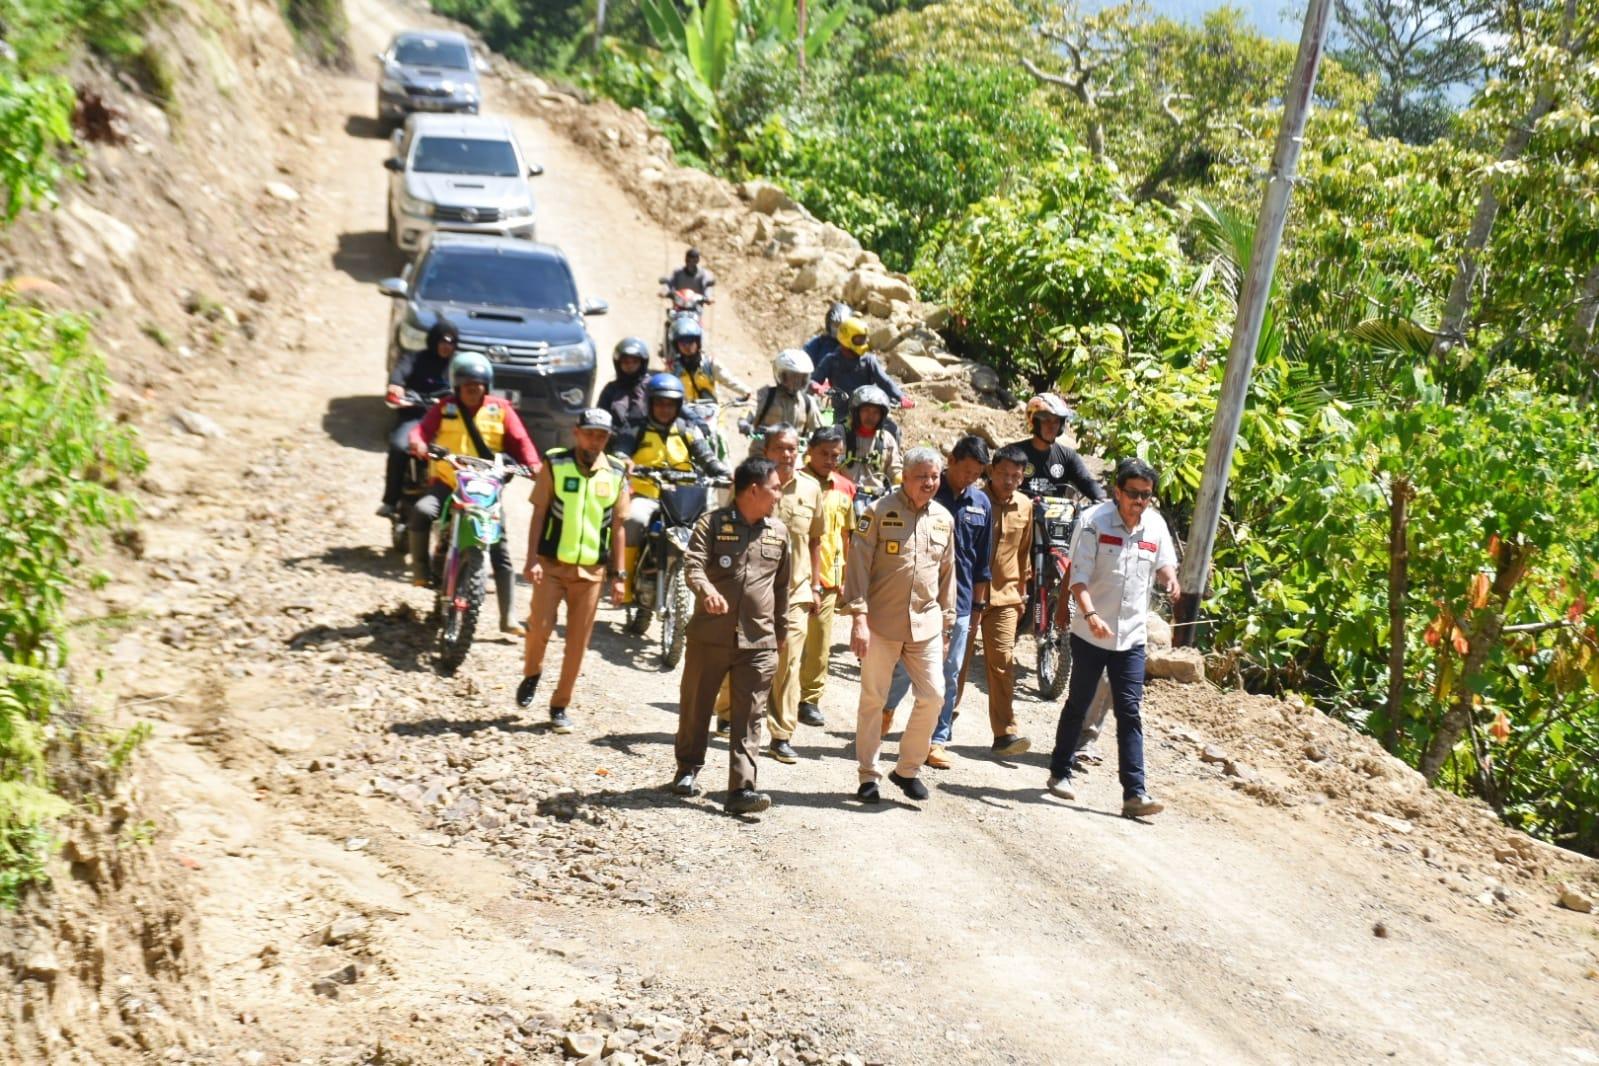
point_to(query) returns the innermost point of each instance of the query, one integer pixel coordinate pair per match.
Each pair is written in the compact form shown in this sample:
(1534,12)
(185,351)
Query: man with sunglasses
(1121,552)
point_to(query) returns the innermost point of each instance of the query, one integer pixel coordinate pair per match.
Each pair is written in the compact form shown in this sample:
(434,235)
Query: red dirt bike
(1048,594)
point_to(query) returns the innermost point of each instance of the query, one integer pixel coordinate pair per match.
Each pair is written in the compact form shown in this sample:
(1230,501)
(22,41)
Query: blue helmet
(687,327)
(471,366)
(664,386)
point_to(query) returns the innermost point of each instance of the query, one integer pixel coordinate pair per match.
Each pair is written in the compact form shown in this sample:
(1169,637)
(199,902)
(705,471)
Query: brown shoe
(938,758)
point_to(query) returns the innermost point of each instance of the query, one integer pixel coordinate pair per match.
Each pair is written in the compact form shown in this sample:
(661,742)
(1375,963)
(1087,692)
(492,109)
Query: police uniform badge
(864,524)
(571,484)
(891,547)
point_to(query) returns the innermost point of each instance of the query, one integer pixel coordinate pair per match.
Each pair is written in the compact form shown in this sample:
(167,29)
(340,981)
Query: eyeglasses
(1136,494)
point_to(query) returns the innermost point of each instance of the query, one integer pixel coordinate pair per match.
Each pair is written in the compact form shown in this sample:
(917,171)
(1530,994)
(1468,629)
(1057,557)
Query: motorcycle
(473,523)
(680,302)
(707,415)
(415,482)
(1048,600)
(658,584)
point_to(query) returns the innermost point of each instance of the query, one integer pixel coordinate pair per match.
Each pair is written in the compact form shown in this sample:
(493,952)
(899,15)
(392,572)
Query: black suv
(514,301)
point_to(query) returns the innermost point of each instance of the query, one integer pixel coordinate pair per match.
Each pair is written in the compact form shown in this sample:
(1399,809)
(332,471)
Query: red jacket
(496,420)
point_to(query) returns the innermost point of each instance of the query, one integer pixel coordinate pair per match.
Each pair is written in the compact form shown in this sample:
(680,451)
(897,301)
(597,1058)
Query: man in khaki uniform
(1010,569)
(738,566)
(822,457)
(899,584)
(800,510)
(575,539)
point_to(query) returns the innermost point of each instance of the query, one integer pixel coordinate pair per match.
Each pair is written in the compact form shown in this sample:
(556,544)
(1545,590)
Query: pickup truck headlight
(519,211)
(568,357)
(411,338)
(410,205)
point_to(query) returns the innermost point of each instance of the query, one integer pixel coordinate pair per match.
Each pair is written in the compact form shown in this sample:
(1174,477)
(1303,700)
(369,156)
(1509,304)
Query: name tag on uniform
(1148,545)
(893,523)
(891,547)
(1107,538)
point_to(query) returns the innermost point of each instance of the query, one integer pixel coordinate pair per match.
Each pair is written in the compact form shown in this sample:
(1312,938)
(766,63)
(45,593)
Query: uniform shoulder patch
(863,524)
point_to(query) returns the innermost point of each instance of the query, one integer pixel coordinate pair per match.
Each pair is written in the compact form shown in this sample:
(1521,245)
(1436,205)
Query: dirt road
(510,885)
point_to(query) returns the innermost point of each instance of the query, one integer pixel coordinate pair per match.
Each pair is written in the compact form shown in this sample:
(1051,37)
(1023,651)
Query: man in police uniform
(1121,552)
(738,566)
(899,584)
(575,539)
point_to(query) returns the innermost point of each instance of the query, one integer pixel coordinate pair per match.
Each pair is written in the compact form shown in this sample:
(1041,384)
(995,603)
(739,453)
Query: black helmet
(630,347)
(837,313)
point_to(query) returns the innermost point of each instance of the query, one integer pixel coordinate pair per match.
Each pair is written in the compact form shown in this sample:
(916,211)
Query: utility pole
(1252,298)
(599,24)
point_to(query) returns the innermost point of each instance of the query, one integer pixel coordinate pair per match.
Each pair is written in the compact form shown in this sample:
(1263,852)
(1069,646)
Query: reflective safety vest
(698,384)
(578,527)
(452,435)
(660,447)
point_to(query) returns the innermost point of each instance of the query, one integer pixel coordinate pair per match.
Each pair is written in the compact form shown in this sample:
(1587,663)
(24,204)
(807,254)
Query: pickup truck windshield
(464,155)
(422,53)
(469,276)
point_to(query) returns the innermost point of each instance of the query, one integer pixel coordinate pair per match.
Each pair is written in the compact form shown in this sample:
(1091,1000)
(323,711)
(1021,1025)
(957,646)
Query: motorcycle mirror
(534,170)
(394,163)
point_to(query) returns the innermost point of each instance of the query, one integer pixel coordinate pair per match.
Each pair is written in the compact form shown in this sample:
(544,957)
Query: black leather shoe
(748,801)
(524,691)
(810,714)
(868,792)
(782,751)
(559,722)
(723,727)
(685,786)
(911,786)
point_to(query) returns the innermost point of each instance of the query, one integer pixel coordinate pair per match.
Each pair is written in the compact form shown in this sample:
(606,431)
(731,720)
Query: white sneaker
(1061,787)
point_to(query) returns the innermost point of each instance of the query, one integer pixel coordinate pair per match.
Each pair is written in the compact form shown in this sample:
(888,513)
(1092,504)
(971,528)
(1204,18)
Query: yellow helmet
(852,335)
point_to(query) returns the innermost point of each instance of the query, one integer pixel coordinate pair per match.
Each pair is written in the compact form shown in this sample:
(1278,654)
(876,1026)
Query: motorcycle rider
(623,396)
(427,373)
(787,400)
(468,422)
(850,366)
(691,276)
(666,439)
(699,373)
(871,452)
(1052,467)
(825,343)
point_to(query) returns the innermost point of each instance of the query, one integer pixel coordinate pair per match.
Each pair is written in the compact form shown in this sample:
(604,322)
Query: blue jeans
(901,683)
(1126,670)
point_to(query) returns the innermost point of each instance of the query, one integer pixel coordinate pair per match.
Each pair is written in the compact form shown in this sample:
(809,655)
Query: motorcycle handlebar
(665,475)
(472,462)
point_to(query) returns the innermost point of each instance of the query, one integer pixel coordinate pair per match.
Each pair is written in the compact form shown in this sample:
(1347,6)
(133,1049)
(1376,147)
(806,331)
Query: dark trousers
(1126,670)
(428,507)
(399,438)
(750,672)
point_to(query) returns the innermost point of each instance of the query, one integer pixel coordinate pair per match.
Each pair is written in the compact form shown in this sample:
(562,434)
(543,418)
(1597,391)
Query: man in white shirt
(1121,551)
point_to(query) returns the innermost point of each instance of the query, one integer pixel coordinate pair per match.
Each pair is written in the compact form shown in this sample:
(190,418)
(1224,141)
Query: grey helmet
(836,314)
(867,396)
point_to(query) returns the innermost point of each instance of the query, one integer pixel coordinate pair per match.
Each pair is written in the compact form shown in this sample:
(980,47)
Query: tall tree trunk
(1451,329)
(1582,335)
(1510,567)
(1398,588)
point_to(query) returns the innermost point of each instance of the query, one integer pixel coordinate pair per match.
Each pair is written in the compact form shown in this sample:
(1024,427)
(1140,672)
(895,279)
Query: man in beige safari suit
(899,584)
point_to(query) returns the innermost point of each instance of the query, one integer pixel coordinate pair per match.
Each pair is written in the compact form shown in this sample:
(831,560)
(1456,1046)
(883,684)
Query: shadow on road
(397,634)
(360,422)
(434,727)
(627,743)
(367,257)
(365,126)
(356,559)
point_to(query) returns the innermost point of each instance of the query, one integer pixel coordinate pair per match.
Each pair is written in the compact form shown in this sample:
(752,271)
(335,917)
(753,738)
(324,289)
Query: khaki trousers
(748,672)
(818,655)
(782,706)
(924,664)
(561,584)
(999,662)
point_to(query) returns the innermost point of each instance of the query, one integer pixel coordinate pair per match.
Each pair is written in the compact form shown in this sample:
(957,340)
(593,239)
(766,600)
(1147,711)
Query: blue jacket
(974,526)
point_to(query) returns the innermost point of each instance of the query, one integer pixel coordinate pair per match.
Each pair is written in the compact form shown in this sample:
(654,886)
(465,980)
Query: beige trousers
(924,663)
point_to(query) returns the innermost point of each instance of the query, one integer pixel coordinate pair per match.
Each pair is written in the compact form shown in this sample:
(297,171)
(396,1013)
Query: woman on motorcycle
(425,373)
(468,422)
(623,397)
(871,454)
(787,399)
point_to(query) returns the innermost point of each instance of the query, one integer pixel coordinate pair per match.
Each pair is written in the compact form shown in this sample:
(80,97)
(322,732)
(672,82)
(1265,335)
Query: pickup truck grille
(460,214)
(529,355)
(427,90)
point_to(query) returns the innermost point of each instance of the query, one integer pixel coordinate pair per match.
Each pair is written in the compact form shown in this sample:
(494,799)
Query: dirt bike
(706,413)
(680,303)
(658,585)
(415,482)
(473,523)
(1048,599)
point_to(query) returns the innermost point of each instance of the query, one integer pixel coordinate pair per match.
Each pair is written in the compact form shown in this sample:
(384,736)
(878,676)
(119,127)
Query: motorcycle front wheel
(459,618)
(674,620)
(1053,662)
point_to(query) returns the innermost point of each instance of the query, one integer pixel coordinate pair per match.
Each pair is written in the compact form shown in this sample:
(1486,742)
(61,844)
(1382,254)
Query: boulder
(1159,632)
(838,240)
(1183,665)
(121,241)
(865,282)
(766,198)
(909,362)
(877,305)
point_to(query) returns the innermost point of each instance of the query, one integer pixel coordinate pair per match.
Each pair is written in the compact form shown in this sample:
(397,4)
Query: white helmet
(791,369)
(1046,403)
